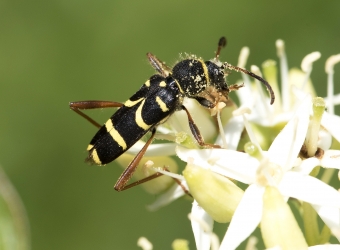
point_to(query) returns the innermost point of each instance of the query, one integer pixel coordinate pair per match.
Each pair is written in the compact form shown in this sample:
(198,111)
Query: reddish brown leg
(196,132)
(83,105)
(154,176)
(128,172)
(146,179)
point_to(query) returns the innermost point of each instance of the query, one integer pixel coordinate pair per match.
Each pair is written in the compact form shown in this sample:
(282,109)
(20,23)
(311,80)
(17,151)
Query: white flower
(274,169)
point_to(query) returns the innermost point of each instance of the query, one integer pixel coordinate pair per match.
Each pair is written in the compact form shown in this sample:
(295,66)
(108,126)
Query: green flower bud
(216,194)
(14,228)
(278,225)
(251,149)
(180,244)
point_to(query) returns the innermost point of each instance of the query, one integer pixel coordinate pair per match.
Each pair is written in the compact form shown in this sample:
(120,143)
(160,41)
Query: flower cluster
(290,150)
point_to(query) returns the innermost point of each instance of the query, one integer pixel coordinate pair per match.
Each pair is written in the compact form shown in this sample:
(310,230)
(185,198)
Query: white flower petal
(298,93)
(308,60)
(287,145)
(331,159)
(236,165)
(332,124)
(172,194)
(307,166)
(325,139)
(202,238)
(331,217)
(309,189)
(245,94)
(246,217)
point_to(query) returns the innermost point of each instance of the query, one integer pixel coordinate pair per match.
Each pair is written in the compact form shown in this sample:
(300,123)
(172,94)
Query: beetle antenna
(238,69)
(221,44)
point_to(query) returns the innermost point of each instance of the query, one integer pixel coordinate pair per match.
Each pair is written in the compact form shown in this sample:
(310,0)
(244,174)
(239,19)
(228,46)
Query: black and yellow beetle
(154,103)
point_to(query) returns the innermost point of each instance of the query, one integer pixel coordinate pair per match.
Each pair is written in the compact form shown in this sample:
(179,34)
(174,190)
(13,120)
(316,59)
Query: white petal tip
(280,47)
(241,111)
(331,61)
(308,60)
(242,59)
(144,243)
(255,70)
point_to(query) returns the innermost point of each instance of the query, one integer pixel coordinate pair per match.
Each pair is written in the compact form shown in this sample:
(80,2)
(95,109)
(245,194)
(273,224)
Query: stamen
(314,126)
(307,65)
(215,243)
(257,71)
(331,61)
(270,73)
(173,175)
(144,243)
(241,111)
(243,57)
(219,122)
(147,166)
(329,68)
(252,242)
(251,134)
(244,93)
(280,49)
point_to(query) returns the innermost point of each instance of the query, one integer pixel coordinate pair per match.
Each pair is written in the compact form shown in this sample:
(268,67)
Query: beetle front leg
(196,132)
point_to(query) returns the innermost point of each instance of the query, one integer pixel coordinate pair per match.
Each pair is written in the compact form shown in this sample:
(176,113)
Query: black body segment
(217,77)
(150,105)
(192,75)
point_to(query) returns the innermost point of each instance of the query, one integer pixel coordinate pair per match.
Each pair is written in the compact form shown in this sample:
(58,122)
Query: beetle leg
(128,172)
(154,176)
(196,132)
(83,105)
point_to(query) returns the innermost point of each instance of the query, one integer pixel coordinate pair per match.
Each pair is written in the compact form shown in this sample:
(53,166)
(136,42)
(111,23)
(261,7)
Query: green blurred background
(53,52)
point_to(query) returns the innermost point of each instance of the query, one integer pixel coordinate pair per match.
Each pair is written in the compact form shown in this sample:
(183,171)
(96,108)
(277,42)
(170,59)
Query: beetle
(158,98)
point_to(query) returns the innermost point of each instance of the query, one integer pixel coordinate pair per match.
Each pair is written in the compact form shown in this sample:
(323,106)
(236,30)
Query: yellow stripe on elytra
(139,119)
(161,104)
(95,157)
(162,84)
(130,103)
(89,147)
(205,69)
(115,134)
(147,83)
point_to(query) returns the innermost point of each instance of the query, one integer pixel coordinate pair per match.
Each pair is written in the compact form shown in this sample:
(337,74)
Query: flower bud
(216,194)
(278,225)
(180,244)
